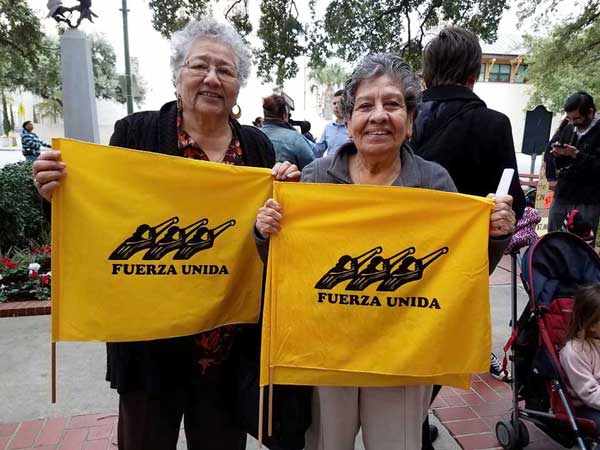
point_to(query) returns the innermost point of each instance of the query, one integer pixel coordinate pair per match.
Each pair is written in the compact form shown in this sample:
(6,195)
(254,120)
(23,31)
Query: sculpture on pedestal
(65,14)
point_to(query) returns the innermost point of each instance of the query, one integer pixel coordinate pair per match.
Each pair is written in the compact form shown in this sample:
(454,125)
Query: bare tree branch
(233,5)
(409,33)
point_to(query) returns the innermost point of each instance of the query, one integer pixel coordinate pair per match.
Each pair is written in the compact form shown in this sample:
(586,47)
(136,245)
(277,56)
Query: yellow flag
(148,246)
(376,286)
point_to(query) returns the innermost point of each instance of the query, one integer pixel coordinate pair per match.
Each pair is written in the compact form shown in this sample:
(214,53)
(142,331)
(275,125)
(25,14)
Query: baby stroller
(551,271)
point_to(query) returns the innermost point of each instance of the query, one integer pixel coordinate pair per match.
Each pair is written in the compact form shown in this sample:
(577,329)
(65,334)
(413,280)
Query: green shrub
(22,221)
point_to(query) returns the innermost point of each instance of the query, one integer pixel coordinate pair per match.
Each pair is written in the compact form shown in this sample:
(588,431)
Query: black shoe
(433,433)
(496,370)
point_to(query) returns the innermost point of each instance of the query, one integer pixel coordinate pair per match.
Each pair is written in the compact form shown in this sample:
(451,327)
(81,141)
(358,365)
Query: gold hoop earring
(238,114)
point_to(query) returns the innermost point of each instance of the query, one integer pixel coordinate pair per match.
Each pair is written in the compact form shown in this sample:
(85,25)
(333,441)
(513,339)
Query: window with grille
(500,73)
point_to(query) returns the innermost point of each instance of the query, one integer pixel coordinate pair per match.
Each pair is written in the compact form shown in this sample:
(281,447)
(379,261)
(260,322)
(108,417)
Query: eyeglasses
(200,68)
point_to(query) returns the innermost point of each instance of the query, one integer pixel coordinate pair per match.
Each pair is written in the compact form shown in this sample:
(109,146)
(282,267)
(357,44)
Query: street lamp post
(128,94)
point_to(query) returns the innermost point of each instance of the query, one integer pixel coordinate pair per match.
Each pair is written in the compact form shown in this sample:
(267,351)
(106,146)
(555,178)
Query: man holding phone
(573,163)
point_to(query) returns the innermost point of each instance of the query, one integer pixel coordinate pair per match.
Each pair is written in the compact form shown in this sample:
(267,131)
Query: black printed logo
(370,267)
(167,237)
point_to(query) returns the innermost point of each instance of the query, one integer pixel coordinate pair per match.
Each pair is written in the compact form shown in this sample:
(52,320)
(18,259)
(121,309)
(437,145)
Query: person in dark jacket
(160,382)
(573,163)
(455,128)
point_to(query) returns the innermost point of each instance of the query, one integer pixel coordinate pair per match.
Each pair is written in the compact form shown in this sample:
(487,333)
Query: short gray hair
(210,29)
(377,65)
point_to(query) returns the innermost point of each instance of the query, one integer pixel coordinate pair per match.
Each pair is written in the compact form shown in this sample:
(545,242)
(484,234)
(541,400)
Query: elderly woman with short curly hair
(379,102)
(160,382)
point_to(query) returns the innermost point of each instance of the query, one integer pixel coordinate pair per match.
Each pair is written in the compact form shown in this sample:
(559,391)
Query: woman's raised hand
(285,171)
(268,220)
(503,219)
(48,170)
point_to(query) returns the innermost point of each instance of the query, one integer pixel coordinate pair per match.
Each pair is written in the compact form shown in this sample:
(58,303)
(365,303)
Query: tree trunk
(5,119)
(12,119)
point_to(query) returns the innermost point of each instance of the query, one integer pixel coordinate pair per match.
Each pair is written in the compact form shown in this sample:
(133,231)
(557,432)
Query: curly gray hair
(210,29)
(382,64)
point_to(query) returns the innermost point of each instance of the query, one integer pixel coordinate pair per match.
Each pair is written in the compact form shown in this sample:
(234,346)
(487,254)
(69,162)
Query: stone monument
(79,95)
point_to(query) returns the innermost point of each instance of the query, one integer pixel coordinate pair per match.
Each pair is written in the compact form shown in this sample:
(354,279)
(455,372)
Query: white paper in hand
(505,181)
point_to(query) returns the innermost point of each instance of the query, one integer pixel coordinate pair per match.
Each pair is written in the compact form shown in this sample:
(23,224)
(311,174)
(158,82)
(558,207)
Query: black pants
(152,422)
(426,443)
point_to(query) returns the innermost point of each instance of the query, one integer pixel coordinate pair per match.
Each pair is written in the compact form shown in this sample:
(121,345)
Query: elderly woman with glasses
(379,102)
(160,382)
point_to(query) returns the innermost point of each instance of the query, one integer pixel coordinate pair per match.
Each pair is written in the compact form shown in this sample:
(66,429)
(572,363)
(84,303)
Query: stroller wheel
(523,434)
(507,435)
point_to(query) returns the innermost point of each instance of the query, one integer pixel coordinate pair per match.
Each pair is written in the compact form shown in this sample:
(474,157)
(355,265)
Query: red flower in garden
(34,274)
(8,263)
(45,280)
(45,249)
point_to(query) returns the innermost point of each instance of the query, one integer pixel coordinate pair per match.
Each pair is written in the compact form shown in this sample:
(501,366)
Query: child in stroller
(580,357)
(552,271)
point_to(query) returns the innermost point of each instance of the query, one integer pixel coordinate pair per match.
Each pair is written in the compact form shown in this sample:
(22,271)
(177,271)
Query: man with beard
(573,163)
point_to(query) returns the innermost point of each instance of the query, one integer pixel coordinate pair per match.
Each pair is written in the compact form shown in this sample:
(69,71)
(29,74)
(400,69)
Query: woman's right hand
(268,220)
(48,170)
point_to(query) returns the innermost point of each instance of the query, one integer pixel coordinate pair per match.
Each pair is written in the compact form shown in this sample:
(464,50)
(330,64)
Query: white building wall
(510,99)
(108,113)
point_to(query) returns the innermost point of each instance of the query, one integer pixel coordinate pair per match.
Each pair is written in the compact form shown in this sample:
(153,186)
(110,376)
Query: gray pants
(390,418)
(560,209)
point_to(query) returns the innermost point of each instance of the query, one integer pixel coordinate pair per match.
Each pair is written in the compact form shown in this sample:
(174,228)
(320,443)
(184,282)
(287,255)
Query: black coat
(472,142)
(156,366)
(578,179)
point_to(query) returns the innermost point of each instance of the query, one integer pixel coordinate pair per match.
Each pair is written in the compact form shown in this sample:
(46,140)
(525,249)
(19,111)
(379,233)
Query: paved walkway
(29,421)
(89,432)
(469,416)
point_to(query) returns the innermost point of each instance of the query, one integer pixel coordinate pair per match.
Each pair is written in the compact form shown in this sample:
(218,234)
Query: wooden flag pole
(261,405)
(270,417)
(53,370)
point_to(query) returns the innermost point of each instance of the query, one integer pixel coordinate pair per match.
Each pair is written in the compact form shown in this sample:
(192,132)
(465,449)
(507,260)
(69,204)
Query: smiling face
(380,122)
(209,82)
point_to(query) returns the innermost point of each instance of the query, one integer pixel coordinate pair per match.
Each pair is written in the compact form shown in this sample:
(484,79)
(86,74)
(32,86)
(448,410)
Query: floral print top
(213,346)
(190,149)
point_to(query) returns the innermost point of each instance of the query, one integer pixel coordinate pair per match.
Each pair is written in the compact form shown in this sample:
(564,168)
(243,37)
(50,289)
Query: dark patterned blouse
(212,347)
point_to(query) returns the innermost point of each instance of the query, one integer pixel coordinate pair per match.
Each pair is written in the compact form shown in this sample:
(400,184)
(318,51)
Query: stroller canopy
(557,265)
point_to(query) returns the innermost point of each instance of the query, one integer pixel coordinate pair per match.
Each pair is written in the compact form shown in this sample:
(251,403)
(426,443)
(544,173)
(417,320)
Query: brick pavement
(88,432)
(470,416)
